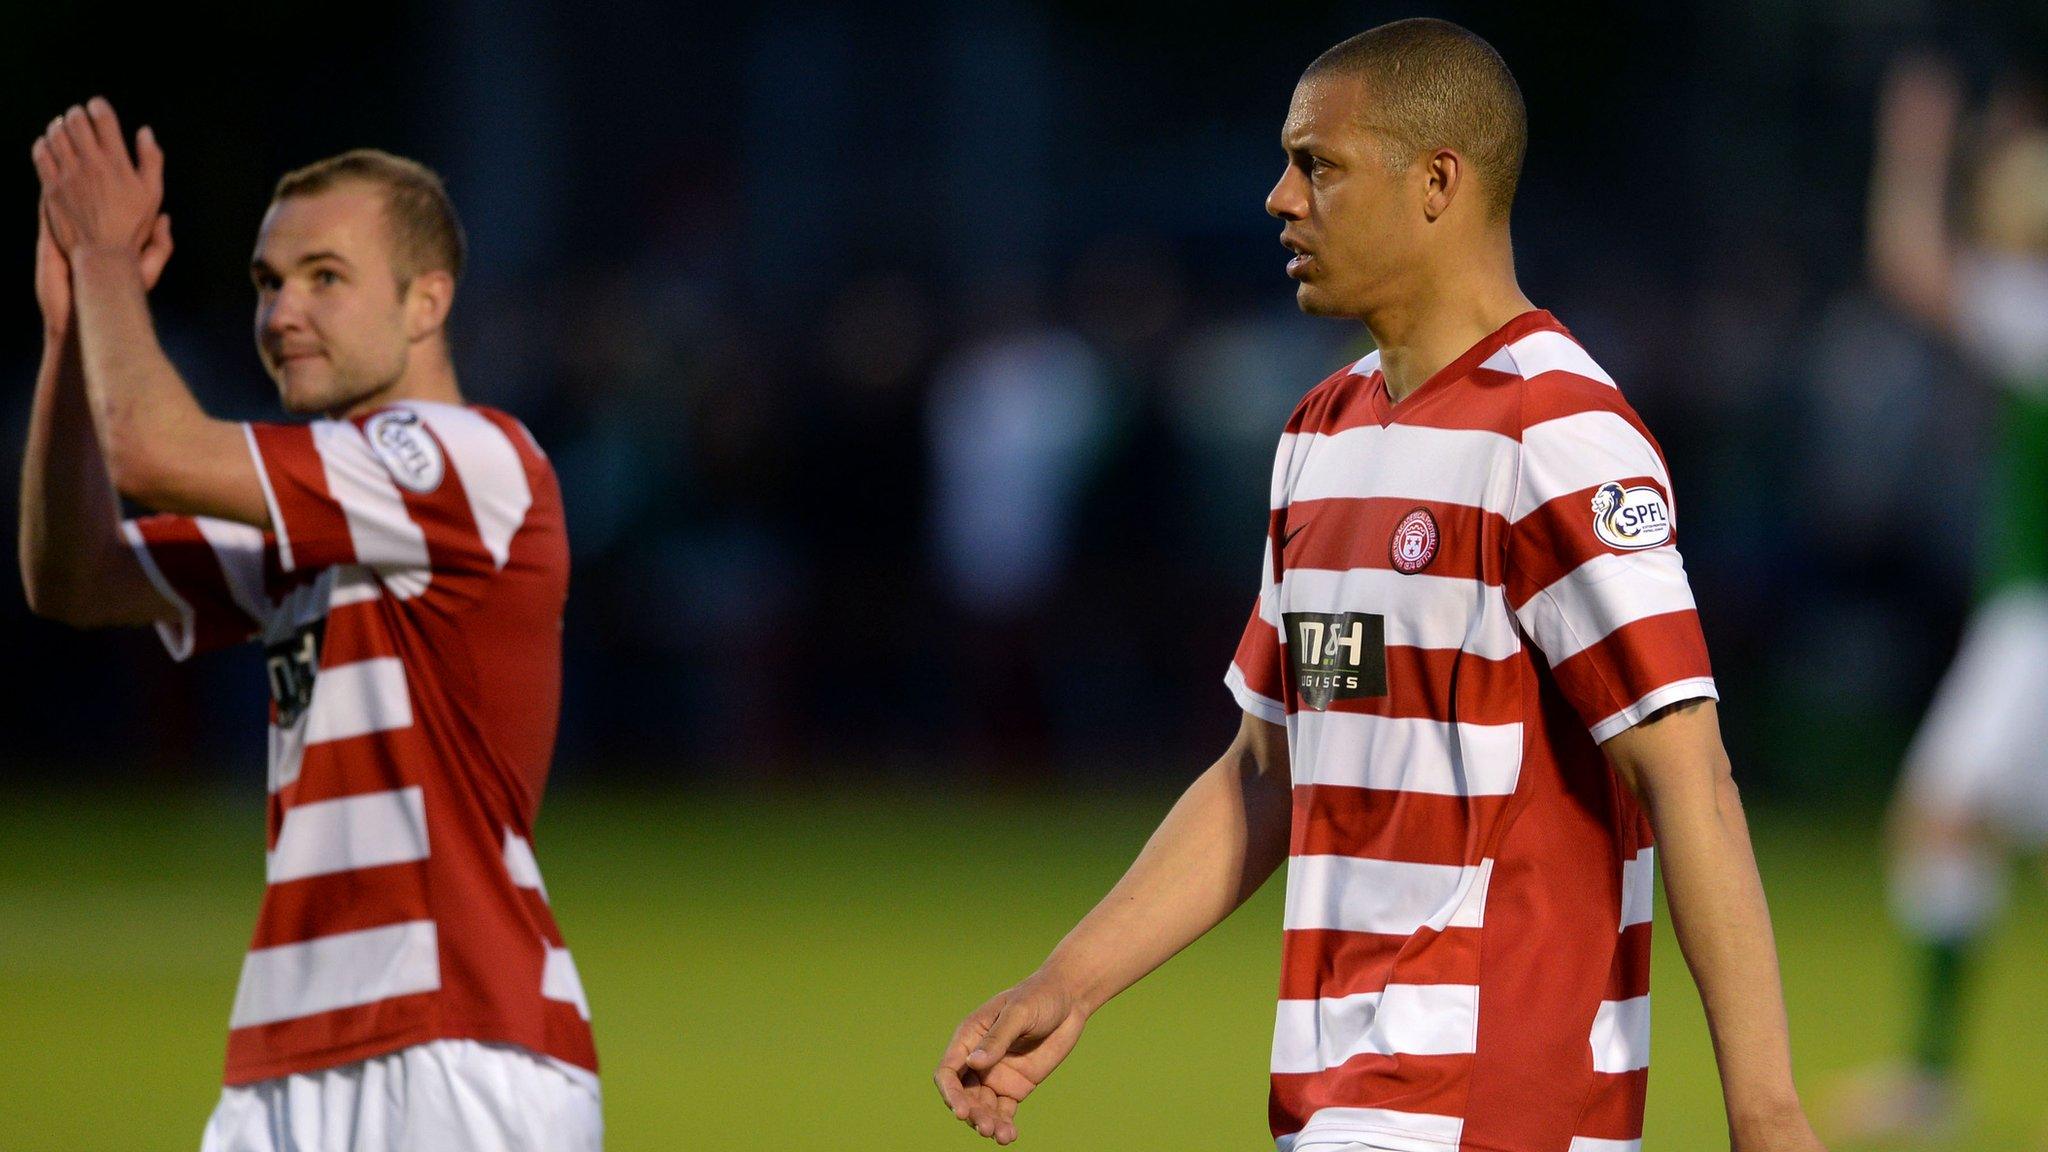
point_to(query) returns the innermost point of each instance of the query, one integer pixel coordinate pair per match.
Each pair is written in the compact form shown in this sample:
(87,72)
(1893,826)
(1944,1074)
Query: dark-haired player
(1474,684)
(403,562)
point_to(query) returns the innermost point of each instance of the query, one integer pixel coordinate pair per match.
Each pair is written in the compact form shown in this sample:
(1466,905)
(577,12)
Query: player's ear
(427,301)
(1443,173)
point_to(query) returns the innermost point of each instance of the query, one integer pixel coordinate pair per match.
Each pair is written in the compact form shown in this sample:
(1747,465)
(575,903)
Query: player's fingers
(45,162)
(58,142)
(156,251)
(78,132)
(106,126)
(1012,1023)
(149,157)
(951,1090)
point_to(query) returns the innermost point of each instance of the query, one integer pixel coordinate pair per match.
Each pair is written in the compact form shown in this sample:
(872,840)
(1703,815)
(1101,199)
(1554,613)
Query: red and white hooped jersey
(1464,594)
(409,601)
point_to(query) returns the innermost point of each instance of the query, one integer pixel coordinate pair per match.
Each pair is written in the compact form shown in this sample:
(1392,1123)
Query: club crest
(1414,543)
(1630,518)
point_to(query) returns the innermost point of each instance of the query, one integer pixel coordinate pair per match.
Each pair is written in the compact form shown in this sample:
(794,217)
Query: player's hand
(1003,1050)
(95,196)
(53,271)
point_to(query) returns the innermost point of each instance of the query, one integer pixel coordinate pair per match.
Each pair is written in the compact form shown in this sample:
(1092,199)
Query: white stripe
(363,831)
(180,635)
(339,971)
(379,526)
(1589,1144)
(1410,1019)
(1390,897)
(1581,451)
(1264,707)
(1367,364)
(1406,461)
(1337,1129)
(238,549)
(492,475)
(1541,352)
(348,700)
(1406,753)
(357,699)
(1639,888)
(1621,1035)
(277,527)
(520,864)
(1678,691)
(1612,590)
(1421,611)
(559,981)
(353,584)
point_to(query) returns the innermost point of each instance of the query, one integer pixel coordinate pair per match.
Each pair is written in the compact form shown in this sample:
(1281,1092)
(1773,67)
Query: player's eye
(265,282)
(326,277)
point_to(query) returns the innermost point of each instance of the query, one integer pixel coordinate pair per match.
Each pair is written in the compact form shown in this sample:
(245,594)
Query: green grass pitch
(781,971)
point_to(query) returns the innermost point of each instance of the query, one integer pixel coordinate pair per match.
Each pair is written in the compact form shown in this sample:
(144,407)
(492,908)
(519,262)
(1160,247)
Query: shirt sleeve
(410,493)
(1593,573)
(212,573)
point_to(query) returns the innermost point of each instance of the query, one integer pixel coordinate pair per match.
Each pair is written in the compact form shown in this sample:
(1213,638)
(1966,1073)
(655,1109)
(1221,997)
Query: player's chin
(1315,300)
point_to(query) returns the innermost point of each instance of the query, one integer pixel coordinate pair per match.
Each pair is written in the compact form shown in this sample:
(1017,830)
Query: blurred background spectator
(913,373)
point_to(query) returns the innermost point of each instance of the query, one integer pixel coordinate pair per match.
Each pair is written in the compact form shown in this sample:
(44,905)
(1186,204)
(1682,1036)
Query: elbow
(137,471)
(52,596)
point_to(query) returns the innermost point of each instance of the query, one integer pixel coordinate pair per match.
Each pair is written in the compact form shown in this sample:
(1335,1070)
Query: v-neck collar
(1386,410)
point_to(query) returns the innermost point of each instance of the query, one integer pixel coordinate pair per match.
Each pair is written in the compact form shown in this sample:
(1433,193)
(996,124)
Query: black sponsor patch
(292,664)
(1336,656)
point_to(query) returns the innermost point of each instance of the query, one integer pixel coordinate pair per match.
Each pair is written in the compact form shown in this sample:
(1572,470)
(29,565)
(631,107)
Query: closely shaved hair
(1436,85)
(426,235)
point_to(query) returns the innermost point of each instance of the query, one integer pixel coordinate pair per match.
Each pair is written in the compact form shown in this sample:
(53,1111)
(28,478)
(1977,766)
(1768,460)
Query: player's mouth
(1298,266)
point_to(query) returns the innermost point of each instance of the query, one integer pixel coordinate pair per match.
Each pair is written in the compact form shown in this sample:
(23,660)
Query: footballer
(402,561)
(1474,694)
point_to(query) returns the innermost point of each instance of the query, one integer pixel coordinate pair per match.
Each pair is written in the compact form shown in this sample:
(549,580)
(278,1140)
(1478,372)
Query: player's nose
(1286,201)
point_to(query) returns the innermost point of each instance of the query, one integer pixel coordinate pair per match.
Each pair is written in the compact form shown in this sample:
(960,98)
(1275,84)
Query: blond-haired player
(402,561)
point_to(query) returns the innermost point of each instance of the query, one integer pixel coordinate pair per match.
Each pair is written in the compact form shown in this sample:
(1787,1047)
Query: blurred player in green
(1974,792)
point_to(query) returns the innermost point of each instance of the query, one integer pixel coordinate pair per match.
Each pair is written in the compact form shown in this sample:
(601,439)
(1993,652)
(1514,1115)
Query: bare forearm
(1218,845)
(70,519)
(1724,928)
(140,406)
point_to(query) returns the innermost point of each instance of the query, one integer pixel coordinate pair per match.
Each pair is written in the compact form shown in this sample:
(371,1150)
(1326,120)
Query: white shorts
(445,1096)
(1982,752)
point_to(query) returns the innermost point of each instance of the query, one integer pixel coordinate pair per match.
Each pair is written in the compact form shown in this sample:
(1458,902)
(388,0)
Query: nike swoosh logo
(1289,538)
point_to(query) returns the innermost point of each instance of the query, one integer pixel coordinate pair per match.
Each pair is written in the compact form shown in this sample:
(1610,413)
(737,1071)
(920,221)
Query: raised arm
(1675,763)
(161,449)
(75,568)
(1220,842)
(1912,260)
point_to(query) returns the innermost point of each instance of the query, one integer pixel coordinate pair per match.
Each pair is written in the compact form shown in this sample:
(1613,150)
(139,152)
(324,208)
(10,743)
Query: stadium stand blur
(913,377)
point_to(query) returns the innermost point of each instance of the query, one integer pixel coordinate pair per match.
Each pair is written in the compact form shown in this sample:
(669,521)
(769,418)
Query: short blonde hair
(426,234)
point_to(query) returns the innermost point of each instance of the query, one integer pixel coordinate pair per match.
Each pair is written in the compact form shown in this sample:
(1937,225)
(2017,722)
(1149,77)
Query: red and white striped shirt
(1464,594)
(409,600)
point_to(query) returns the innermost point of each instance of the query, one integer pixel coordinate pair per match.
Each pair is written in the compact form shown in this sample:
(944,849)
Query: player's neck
(1443,318)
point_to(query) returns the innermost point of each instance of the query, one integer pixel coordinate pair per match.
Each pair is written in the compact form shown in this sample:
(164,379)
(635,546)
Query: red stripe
(1557,394)
(1321,962)
(329,1039)
(1258,658)
(1419,685)
(314,524)
(1553,540)
(1385,824)
(189,564)
(1631,975)
(1631,662)
(1614,1109)
(1341,533)
(374,762)
(301,910)
(1430,1084)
